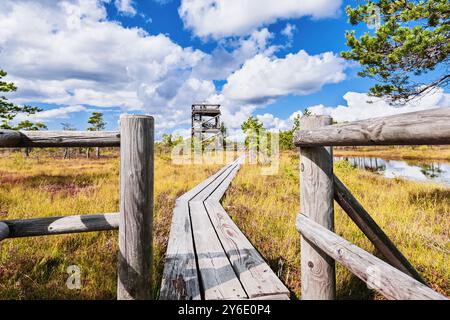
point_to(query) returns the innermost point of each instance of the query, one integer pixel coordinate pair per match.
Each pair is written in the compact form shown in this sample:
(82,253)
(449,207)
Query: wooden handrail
(372,231)
(380,276)
(430,127)
(59,225)
(46,139)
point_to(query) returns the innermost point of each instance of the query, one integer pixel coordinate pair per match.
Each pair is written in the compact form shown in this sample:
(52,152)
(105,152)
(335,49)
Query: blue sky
(157,57)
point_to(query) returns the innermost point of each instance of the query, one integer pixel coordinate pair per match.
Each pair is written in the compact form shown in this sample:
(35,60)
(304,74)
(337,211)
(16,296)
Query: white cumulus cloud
(126,7)
(263,78)
(223,18)
(68,53)
(361,106)
(57,113)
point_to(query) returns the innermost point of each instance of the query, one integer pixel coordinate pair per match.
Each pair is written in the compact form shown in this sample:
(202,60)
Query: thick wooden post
(316,202)
(136,207)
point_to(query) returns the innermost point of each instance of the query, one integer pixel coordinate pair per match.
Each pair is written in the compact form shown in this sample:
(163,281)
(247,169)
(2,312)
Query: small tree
(255,133)
(9,110)
(97,124)
(253,129)
(411,39)
(287,137)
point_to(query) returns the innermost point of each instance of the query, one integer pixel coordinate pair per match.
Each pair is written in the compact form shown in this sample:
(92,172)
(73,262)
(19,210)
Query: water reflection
(417,171)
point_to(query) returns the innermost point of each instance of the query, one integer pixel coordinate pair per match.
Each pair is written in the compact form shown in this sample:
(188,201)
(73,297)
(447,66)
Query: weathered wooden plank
(220,190)
(206,192)
(9,138)
(61,225)
(180,278)
(404,129)
(253,272)
(373,232)
(379,275)
(316,200)
(4,231)
(205,183)
(218,279)
(44,139)
(248,266)
(136,207)
(218,275)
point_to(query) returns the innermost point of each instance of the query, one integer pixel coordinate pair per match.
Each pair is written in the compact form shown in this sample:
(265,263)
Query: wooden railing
(136,141)
(320,247)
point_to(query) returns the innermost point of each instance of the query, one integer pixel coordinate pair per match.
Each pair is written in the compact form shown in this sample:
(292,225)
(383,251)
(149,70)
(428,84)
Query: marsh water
(423,171)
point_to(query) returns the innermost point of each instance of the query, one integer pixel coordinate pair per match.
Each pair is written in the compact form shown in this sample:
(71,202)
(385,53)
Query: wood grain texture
(218,278)
(253,272)
(136,207)
(373,232)
(255,275)
(316,200)
(4,231)
(229,267)
(61,225)
(430,127)
(180,278)
(44,139)
(380,276)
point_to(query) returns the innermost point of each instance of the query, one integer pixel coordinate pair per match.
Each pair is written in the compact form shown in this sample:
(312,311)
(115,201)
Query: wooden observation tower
(205,121)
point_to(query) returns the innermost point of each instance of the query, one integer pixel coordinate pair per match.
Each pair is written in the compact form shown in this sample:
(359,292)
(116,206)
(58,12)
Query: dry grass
(33,268)
(415,216)
(397,152)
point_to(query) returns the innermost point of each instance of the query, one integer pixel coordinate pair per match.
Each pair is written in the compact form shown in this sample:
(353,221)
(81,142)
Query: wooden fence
(320,247)
(136,141)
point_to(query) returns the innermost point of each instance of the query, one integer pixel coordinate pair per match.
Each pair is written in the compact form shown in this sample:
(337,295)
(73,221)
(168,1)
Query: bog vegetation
(414,215)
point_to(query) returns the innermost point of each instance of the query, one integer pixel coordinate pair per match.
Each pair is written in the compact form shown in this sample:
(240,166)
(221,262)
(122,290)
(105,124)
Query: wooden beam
(403,129)
(4,231)
(61,225)
(373,232)
(316,199)
(380,276)
(136,207)
(9,138)
(47,139)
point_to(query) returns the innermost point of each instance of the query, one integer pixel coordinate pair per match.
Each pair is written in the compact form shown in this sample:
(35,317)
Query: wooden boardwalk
(208,257)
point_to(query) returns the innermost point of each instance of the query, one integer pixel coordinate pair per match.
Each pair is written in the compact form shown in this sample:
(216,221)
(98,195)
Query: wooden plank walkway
(208,257)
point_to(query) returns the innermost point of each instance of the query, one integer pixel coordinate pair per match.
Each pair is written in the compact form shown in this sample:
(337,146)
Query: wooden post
(136,207)
(316,202)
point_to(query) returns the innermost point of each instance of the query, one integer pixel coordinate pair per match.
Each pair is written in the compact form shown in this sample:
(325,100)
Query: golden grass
(397,152)
(35,268)
(415,216)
